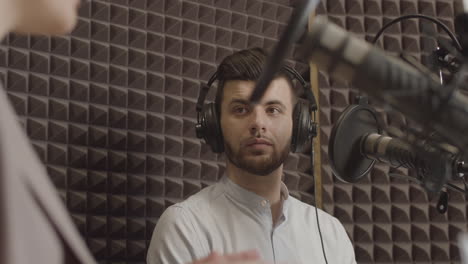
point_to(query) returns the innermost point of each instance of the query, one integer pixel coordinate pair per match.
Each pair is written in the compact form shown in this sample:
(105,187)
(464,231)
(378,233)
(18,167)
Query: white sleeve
(174,240)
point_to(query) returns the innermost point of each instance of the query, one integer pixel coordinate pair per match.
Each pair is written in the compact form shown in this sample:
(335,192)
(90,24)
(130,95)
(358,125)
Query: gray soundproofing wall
(110,108)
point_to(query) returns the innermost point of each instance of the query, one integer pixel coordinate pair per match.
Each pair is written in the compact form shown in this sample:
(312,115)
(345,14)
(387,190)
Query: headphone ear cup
(301,127)
(212,133)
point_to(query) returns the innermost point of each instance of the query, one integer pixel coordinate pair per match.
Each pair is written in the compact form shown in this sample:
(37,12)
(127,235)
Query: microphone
(356,143)
(292,33)
(419,97)
(433,165)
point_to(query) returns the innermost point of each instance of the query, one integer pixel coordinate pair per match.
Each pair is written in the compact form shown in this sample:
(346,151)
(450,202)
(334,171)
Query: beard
(257,162)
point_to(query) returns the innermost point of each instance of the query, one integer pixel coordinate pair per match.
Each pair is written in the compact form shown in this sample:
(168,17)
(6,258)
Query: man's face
(45,16)
(257,137)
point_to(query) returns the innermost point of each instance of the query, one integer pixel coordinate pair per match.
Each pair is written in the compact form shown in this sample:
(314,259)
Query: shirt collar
(250,198)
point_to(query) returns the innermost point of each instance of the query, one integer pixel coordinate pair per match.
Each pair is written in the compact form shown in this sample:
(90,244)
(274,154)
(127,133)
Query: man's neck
(266,186)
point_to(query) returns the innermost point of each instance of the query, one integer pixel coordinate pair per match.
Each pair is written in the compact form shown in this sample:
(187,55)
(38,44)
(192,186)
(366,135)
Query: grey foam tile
(60,46)
(16,81)
(362,233)
(408,7)
(97,159)
(136,250)
(82,29)
(172,26)
(57,88)
(383,252)
(155,165)
(136,163)
(155,23)
(80,48)
(36,129)
(117,187)
(97,204)
(136,206)
(77,134)
(362,213)
(19,40)
(137,38)
(137,79)
(421,252)
(117,205)
(97,137)
(172,7)
(136,184)
(58,176)
(118,35)
(100,74)
(117,139)
(390,8)
(76,202)
(80,222)
(137,18)
(136,120)
(354,7)
(117,97)
(97,182)
(190,30)
(57,132)
(17,59)
(118,15)
(154,208)
(190,10)
(117,249)
(37,106)
(59,66)
(136,99)
(58,110)
(38,63)
(155,123)
(117,227)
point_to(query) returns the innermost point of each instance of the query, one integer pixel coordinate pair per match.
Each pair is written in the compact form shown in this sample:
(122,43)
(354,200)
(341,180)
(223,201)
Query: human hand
(246,257)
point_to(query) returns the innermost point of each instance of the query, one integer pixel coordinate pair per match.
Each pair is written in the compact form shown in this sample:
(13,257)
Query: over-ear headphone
(304,126)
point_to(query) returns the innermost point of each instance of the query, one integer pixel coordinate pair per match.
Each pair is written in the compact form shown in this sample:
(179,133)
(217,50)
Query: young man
(250,208)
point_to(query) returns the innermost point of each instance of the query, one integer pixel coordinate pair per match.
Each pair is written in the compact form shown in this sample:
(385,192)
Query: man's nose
(257,121)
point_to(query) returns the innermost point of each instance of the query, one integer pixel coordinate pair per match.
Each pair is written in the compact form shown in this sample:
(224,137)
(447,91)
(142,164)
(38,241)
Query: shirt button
(264,203)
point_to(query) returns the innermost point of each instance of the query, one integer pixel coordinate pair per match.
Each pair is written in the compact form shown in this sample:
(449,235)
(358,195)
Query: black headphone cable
(316,210)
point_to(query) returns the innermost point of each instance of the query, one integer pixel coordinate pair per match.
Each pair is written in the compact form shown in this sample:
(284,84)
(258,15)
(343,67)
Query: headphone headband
(296,75)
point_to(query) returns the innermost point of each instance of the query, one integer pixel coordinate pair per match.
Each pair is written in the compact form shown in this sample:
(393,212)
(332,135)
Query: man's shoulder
(197,202)
(304,214)
(182,226)
(309,212)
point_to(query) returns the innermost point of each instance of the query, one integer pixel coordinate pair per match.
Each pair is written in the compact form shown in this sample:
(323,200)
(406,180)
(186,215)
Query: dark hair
(244,65)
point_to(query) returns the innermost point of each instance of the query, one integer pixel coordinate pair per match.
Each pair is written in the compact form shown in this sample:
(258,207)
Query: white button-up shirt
(226,218)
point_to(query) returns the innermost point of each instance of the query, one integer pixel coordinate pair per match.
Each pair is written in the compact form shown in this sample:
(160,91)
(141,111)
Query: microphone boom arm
(443,109)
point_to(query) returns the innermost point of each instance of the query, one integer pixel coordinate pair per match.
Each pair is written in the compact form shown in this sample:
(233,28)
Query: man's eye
(273,110)
(240,110)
